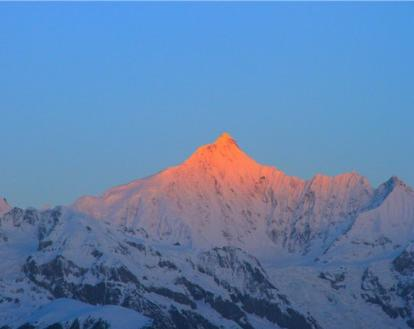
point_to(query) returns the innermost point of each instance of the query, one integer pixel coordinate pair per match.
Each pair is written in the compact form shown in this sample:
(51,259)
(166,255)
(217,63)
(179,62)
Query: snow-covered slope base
(219,241)
(76,257)
(68,313)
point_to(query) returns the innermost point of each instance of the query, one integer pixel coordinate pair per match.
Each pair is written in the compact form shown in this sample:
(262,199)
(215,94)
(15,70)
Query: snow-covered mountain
(4,206)
(219,241)
(220,196)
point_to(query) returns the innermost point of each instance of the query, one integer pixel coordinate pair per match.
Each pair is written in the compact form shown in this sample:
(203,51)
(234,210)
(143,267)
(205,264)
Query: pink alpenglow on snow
(221,196)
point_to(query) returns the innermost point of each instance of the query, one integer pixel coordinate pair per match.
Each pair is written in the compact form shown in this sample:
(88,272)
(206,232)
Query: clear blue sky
(97,94)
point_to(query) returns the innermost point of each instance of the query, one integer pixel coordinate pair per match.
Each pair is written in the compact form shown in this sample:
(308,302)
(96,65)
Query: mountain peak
(225,139)
(4,206)
(224,152)
(395,181)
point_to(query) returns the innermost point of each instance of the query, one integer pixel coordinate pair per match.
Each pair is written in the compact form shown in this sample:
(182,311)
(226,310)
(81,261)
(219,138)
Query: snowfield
(68,311)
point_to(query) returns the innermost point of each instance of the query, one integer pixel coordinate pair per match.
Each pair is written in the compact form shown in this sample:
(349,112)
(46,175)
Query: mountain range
(219,241)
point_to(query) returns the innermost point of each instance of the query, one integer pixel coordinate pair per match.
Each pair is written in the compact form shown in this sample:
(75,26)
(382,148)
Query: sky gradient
(93,95)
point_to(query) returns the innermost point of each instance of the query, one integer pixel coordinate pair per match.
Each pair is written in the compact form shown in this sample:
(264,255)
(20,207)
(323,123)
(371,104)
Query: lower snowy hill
(57,254)
(61,269)
(66,313)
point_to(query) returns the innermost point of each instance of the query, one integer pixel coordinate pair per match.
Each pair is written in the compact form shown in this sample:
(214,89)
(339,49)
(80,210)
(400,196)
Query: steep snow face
(383,230)
(326,208)
(4,206)
(220,196)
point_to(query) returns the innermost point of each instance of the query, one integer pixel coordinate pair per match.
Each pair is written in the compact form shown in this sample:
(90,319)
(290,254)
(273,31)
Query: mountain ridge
(221,196)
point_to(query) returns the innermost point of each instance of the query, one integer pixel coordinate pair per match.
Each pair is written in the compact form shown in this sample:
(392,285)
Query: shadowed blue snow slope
(66,311)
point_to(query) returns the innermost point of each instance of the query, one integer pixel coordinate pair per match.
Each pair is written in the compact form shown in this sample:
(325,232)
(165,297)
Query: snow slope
(73,256)
(382,231)
(220,196)
(68,311)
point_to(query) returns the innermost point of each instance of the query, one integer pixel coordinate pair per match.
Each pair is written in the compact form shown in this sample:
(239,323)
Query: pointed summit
(223,153)
(395,181)
(387,188)
(225,139)
(391,184)
(4,206)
